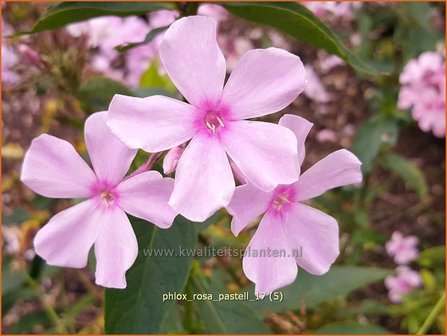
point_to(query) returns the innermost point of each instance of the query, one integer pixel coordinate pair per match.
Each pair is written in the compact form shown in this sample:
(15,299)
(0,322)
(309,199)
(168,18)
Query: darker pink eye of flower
(213,120)
(107,197)
(282,198)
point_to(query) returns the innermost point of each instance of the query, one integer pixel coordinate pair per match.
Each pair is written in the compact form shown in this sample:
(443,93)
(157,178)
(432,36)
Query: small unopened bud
(171,159)
(29,55)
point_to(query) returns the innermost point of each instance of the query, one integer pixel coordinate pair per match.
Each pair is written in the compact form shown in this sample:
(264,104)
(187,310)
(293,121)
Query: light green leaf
(151,78)
(139,309)
(309,290)
(65,13)
(408,171)
(300,23)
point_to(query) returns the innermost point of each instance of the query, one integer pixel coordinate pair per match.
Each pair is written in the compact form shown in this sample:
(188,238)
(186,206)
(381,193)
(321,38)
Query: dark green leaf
(351,327)
(97,93)
(309,290)
(224,317)
(409,172)
(149,37)
(371,136)
(300,23)
(140,308)
(151,91)
(70,12)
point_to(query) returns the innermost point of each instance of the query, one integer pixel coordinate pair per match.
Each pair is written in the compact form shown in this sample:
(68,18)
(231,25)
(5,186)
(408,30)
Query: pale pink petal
(155,123)
(263,82)
(338,169)
(52,168)
(115,249)
(315,234)
(193,60)
(204,182)
(67,238)
(269,260)
(110,158)
(264,152)
(301,127)
(247,204)
(146,196)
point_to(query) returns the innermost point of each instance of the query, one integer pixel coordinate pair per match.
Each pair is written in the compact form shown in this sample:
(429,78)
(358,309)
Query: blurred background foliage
(53,79)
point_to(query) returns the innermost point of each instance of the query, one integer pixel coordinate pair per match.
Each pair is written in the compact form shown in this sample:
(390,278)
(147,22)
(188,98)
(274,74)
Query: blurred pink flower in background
(10,57)
(339,9)
(215,11)
(287,223)
(423,90)
(315,89)
(107,32)
(52,168)
(403,249)
(326,135)
(403,283)
(328,62)
(263,82)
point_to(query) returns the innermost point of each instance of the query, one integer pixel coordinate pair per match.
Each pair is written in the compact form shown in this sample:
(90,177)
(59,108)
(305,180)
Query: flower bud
(171,159)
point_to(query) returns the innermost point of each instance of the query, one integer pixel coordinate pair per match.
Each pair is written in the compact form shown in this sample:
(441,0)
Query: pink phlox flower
(403,283)
(52,168)
(263,82)
(403,249)
(299,234)
(423,90)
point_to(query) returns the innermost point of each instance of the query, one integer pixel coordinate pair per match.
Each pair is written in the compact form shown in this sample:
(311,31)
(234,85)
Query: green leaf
(149,37)
(371,136)
(300,23)
(432,257)
(407,171)
(96,94)
(309,290)
(351,327)
(140,308)
(224,317)
(151,78)
(69,12)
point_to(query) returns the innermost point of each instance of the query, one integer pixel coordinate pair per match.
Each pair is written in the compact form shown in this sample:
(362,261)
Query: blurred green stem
(52,315)
(434,313)
(188,310)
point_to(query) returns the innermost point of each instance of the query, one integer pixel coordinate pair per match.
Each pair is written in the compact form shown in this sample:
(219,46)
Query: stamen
(107,198)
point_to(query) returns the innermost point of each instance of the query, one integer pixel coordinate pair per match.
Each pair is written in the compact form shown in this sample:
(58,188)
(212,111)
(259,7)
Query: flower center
(107,197)
(213,121)
(279,201)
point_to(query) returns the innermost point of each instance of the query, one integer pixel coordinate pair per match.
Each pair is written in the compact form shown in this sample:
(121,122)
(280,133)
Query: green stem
(432,316)
(189,323)
(51,313)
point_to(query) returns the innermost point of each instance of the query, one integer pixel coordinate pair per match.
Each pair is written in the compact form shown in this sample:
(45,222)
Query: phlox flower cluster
(423,91)
(338,9)
(404,250)
(210,141)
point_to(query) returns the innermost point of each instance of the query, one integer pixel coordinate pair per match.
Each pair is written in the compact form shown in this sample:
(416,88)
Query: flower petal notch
(53,168)
(297,234)
(212,125)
